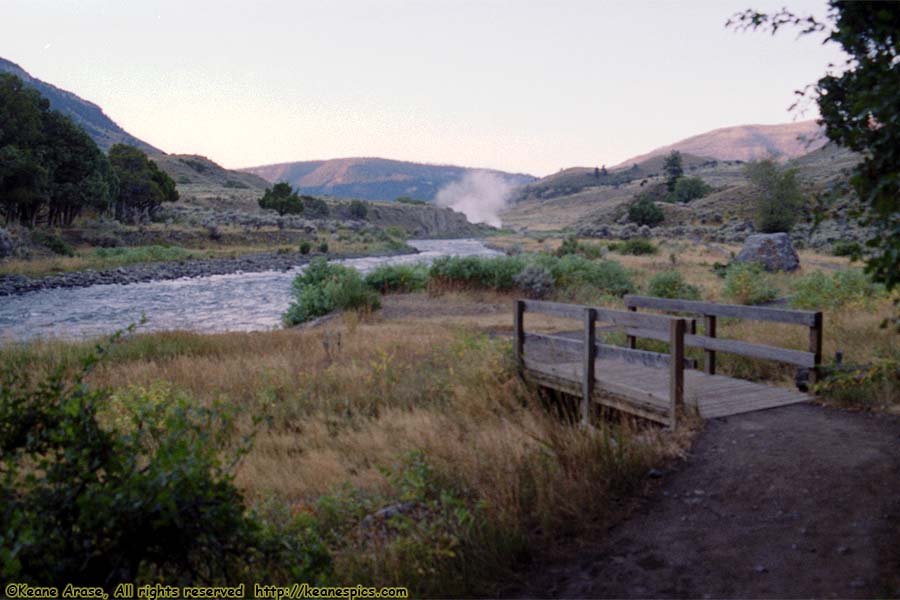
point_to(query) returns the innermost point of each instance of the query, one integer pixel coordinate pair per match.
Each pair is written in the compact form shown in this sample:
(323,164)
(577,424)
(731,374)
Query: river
(234,302)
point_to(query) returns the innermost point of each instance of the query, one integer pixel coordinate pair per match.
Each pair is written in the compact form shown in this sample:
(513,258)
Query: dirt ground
(795,502)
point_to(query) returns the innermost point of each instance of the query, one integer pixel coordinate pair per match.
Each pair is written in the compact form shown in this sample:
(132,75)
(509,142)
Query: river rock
(773,251)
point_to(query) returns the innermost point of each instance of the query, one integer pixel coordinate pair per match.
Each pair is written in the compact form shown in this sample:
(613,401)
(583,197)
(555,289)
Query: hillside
(104,131)
(747,142)
(724,215)
(188,169)
(371,178)
(578,179)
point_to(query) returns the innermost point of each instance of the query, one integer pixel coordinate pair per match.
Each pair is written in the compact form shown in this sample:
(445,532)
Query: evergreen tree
(673,169)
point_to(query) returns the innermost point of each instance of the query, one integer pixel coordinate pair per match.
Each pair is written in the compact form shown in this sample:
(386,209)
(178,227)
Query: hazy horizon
(526,87)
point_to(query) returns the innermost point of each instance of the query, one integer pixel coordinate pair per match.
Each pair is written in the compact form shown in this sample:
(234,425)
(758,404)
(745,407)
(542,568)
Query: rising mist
(479,195)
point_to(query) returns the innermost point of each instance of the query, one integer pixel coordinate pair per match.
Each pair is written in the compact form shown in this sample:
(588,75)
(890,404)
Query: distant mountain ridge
(372,178)
(103,130)
(747,142)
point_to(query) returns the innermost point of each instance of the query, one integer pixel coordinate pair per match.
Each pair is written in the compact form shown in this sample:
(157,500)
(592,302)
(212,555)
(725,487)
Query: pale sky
(520,85)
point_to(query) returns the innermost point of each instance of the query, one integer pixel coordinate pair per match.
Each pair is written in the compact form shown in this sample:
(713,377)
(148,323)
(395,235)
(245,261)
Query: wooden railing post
(709,329)
(815,345)
(519,324)
(632,340)
(676,370)
(590,353)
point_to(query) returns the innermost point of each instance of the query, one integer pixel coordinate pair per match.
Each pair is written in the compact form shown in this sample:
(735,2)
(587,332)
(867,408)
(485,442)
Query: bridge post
(632,340)
(676,370)
(519,324)
(815,346)
(709,330)
(589,356)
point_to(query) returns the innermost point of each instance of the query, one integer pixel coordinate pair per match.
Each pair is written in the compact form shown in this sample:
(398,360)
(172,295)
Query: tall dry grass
(349,402)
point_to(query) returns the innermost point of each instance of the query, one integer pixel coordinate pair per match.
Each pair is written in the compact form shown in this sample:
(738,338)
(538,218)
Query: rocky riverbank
(247,263)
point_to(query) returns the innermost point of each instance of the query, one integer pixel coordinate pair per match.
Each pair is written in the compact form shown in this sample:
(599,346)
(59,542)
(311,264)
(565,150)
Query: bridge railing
(659,327)
(711,344)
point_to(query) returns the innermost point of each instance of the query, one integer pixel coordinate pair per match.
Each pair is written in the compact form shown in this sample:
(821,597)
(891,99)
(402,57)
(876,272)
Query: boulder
(772,250)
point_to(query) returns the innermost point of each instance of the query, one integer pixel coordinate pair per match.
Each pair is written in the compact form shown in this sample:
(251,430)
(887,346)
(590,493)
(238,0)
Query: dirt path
(799,501)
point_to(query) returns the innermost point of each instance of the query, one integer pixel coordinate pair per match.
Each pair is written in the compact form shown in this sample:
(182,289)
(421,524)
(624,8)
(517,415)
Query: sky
(519,85)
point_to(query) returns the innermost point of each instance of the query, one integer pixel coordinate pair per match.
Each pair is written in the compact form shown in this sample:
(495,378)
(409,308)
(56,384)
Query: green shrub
(845,248)
(573,271)
(689,188)
(817,290)
(569,246)
(505,273)
(671,284)
(359,209)
(535,281)
(871,387)
(637,247)
(323,288)
(396,231)
(305,247)
(53,242)
(100,489)
(282,199)
(323,247)
(779,200)
(398,278)
(644,211)
(496,273)
(315,208)
(747,283)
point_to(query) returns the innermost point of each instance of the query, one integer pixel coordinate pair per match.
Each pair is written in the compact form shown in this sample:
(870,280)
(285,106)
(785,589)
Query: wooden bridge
(652,385)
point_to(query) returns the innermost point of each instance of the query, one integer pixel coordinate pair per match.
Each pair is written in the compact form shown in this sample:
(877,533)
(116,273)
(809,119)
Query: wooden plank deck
(645,389)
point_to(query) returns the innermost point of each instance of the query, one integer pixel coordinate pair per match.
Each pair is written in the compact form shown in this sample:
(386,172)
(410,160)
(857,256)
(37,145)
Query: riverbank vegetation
(66,251)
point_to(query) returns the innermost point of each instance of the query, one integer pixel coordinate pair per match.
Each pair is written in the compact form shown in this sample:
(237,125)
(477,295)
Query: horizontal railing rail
(711,344)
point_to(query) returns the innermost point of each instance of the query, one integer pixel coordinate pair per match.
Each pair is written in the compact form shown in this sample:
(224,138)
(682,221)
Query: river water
(235,302)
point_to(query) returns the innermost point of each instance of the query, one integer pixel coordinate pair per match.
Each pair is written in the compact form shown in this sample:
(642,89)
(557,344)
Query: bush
(871,387)
(282,199)
(636,247)
(845,248)
(505,273)
(497,273)
(747,283)
(323,288)
(54,243)
(644,211)
(671,284)
(569,246)
(99,489)
(398,278)
(358,209)
(305,247)
(535,281)
(323,247)
(779,199)
(817,290)
(689,188)
(314,208)
(574,271)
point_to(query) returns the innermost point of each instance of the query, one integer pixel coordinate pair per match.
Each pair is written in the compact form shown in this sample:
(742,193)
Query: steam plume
(479,195)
